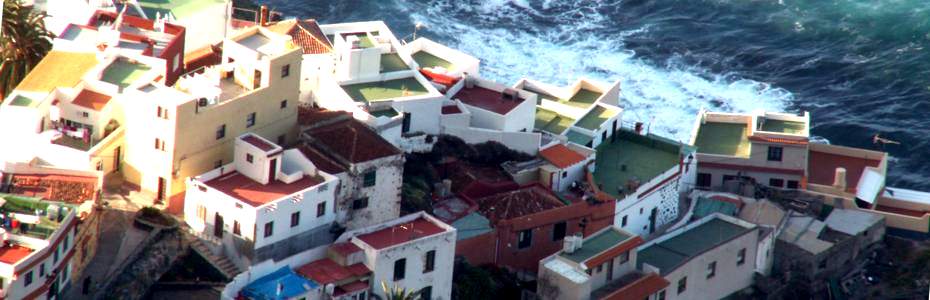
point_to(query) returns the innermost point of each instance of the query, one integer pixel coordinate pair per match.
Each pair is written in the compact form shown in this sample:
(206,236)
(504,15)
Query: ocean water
(860,67)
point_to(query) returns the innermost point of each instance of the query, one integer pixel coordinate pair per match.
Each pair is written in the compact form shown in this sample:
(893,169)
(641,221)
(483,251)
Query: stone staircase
(219,261)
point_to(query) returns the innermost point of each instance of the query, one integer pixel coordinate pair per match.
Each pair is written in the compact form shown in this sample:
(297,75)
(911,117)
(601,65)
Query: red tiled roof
(326,271)
(639,289)
(244,188)
(451,109)
(345,248)
(401,233)
(71,189)
(351,288)
(821,168)
(309,116)
(13,254)
(306,34)
(756,138)
(487,99)
(259,143)
(561,156)
(91,99)
(203,57)
(901,211)
(517,203)
(350,140)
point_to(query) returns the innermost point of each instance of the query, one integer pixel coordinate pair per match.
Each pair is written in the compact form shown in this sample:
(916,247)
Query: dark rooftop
(344,139)
(517,203)
(258,143)
(488,99)
(684,245)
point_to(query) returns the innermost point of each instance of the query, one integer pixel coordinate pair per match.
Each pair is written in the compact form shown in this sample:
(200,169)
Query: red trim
(658,185)
(46,253)
(750,168)
(44,288)
(614,252)
(788,142)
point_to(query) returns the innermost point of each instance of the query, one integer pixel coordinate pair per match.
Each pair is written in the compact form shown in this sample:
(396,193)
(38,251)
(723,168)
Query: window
(159,144)
(400,266)
(775,153)
(55,254)
(28,279)
(405,125)
(67,241)
(269,228)
(360,203)
(623,222)
(558,231)
(564,174)
(177,61)
(624,257)
(285,71)
(250,120)
(321,209)
(711,269)
(42,269)
(682,285)
(202,213)
(704,179)
(248,157)
(430,262)
(370,178)
(85,114)
(426,293)
(661,295)
(792,184)
(217,164)
(525,239)
(162,113)
(221,131)
(283,104)
(741,257)
(776,182)
(295,219)
(236,229)
(600,268)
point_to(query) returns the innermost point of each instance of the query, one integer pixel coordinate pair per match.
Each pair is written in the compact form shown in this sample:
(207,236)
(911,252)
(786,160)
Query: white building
(369,168)
(268,203)
(711,258)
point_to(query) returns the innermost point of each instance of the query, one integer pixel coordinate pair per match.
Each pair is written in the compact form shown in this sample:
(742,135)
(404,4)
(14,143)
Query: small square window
(682,285)
(221,131)
(400,267)
(295,219)
(360,203)
(525,239)
(370,179)
(248,157)
(28,279)
(623,222)
(775,153)
(283,103)
(250,120)
(624,257)
(792,184)
(711,270)
(85,114)
(285,71)
(558,231)
(269,228)
(564,174)
(321,209)
(776,182)
(741,257)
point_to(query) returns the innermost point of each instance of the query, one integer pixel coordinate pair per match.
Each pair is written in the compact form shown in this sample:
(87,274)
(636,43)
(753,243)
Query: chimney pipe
(263,16)
(839,179)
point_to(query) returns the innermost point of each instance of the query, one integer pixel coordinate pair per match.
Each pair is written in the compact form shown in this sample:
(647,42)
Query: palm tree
(397,293)
(24,41)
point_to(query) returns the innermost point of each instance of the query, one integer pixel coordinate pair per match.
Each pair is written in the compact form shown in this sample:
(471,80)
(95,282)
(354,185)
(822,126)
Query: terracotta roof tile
(90,99)
(401,233)
(777,140)
(350,140)
(326,271)
(517,203)
(561,156)
(307,34)
(13,254)
(71,189)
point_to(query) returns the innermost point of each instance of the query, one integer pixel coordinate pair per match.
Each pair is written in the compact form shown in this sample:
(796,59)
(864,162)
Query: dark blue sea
(860,67)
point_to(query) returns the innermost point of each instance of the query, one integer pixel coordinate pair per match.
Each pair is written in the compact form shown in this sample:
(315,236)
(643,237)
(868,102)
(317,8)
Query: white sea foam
(669,94)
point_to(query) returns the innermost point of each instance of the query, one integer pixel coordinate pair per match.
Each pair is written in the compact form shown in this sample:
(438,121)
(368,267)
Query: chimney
(839,179)
(568,244)
(263,16)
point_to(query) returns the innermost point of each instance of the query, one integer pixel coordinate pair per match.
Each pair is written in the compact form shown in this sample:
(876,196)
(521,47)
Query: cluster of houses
(281,144)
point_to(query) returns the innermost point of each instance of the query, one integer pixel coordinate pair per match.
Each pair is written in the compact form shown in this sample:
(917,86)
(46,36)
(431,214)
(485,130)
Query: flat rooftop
(256,194)
(47,224)
(578,137)
(723,139)
(401,233)
(14,253)
(123,73)
(384,90)
(427,60)
(821,168)
(632,157)
(363,40)
(179,8)
(584,98)
(391,62)
(594,245)
(488,99)
(58,69)
(21,100)
(597,116)
(258,143)
(673,252)
(780,126)
(552,122)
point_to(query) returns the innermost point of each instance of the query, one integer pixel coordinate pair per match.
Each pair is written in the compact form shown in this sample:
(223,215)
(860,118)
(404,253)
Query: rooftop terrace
(552,122)
(488,99)
(254,193)
(822,167)
(683,245)
(21,100)
(582,99)
(391,62)
(384,90)
(179,8)
(43,224)
(58,69)
(427,60)
(597,116)
(594,245)
(723,139)
(123,73)
(780,126)
(578,137)
(632,157)
(401,233)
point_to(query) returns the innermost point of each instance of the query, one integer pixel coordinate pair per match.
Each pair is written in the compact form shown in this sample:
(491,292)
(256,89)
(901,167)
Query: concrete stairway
(220,262)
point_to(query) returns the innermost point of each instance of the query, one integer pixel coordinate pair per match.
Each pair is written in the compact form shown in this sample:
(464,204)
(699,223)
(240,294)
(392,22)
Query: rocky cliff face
(143,269)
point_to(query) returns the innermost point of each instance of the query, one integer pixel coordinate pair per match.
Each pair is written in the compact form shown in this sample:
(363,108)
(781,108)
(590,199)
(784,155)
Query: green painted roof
(20,100)
(723,139)
(390,113)
(123,73)
(632,156)
(671,253)
(789,127)
(596,244)
(584,98)
(707,206)
(471,225)
(179,8)
(383,90)
(391,62)
(578,137)
(427,60)
(552,122)
(597,116)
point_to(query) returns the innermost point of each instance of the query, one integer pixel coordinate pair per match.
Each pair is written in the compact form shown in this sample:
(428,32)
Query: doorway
(161,189)
(272,169)
(218,225)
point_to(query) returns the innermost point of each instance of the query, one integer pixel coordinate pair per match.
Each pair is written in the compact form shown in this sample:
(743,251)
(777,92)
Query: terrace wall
(527,142)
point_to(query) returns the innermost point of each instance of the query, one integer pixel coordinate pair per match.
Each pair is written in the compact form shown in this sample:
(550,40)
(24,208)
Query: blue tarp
(266,287)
